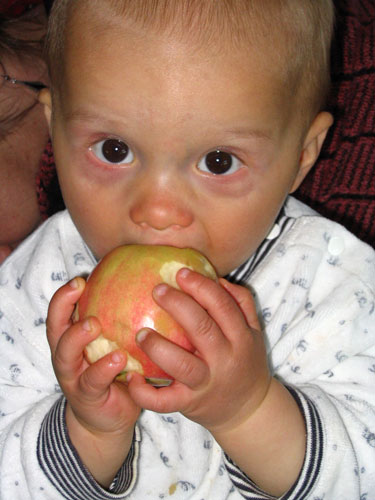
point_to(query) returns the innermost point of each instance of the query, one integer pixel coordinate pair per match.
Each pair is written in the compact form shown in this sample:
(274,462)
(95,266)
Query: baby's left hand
(226,379)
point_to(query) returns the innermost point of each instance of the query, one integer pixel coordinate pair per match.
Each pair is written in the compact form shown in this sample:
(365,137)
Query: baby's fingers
(244,300)
(173,359)
(61,309)
(96,379)
(213,317)
(68,358)
(163,400)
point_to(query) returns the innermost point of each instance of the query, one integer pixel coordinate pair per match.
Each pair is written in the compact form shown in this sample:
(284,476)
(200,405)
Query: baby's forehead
(200,33)
(224,25)
(86,49)
(292,36)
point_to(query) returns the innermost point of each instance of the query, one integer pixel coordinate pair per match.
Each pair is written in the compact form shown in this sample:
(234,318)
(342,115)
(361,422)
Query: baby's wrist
(243,417)
(274,432)
(77,425)
(102,451)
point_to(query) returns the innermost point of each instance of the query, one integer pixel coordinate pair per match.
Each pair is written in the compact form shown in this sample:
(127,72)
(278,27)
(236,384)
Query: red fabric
(47,186)
(342,184)
(14,8)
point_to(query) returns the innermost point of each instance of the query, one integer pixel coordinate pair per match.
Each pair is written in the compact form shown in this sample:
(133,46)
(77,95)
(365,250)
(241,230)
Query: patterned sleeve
(311,466)
(61,464)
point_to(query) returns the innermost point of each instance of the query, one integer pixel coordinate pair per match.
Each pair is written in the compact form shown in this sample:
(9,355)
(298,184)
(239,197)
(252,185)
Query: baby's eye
(219,163)
(112,151)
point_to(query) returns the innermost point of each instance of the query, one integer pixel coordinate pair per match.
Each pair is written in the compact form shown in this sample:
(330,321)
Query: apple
(119,293)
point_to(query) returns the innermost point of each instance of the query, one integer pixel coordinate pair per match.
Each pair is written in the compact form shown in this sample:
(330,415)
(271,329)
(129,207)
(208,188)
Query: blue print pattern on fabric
(314,288)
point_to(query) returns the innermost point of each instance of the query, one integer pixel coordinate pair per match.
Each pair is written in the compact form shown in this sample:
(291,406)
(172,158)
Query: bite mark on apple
(99,348)
(102,346)
(169,270)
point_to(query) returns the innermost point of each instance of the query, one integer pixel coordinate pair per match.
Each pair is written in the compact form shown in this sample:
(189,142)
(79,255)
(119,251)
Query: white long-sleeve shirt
(315,289)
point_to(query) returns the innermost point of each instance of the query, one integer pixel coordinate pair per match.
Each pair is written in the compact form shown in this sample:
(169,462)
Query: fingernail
(74,283)
(161,289)
(184,273)
(141,335)
(117,357)
(87,325)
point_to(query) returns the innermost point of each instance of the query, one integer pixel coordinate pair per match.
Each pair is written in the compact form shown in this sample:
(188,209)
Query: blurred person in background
(23,127)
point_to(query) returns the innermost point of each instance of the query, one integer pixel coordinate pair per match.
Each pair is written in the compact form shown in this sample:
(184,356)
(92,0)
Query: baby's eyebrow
(93,119)
(82,115)
(87,116)
(248,133)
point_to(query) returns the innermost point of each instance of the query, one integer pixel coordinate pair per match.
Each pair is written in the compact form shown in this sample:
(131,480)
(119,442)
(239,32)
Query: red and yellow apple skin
(119,293)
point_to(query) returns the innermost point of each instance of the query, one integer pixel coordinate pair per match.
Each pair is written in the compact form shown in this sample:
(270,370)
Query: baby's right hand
(100,413)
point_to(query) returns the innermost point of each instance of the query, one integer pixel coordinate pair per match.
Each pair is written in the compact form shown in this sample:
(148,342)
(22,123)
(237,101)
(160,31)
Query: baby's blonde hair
(298,33)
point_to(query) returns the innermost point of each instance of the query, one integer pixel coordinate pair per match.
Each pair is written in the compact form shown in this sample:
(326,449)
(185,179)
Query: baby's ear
(312,145)
(45,99)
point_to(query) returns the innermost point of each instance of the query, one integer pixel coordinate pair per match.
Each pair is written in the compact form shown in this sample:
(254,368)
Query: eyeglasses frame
(36,86)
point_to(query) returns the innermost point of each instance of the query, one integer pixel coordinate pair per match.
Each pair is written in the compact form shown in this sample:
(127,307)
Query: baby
(189,123)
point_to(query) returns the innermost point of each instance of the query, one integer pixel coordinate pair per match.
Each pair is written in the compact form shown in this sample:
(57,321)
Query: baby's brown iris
(218,162)
(115,151)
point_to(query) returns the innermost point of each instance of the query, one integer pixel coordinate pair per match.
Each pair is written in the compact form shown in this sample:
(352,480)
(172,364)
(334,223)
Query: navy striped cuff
(312,463)
(62,465)
(242,274)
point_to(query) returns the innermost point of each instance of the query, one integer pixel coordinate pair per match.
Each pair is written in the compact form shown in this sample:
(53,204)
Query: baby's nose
(161,212)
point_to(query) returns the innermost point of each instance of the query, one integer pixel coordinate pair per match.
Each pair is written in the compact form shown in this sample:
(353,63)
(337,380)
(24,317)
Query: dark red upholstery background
(342,184)
(14,8)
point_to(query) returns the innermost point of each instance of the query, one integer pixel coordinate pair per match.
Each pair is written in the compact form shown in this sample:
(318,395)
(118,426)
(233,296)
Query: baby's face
(159,143)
